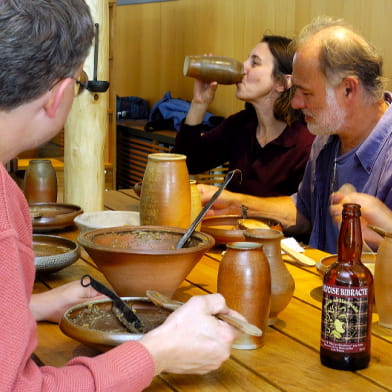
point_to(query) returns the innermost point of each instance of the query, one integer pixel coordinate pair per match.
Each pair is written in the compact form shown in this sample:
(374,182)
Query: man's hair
(283,53)
(345,55)
(41,42)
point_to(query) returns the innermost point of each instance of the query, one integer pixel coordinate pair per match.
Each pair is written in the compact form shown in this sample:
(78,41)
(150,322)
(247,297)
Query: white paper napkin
(292,243)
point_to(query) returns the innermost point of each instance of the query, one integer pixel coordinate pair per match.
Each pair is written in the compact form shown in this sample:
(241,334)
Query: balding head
(339,52)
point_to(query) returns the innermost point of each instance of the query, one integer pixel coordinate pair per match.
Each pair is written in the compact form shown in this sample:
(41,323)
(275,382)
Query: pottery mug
(224,70)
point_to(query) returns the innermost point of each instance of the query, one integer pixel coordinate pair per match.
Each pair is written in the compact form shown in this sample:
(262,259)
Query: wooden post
(86,129)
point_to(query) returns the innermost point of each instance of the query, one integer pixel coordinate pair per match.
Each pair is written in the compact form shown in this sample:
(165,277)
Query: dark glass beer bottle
(347,300)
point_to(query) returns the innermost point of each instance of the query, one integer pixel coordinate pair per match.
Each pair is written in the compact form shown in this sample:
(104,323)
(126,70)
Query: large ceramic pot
(165,198)
(139,258)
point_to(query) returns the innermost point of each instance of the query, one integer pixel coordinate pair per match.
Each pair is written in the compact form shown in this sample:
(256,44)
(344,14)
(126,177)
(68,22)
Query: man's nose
(297,101)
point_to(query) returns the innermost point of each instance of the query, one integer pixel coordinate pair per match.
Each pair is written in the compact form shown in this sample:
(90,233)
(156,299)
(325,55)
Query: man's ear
(350,86)
(56,96)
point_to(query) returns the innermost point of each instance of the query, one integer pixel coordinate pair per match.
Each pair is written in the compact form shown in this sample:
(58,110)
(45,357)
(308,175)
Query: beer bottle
(347,300)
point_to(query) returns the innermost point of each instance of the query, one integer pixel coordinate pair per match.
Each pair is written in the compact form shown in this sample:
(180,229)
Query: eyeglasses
(80,83)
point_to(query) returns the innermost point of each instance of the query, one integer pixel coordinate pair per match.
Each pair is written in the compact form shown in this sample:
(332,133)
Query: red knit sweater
(128,367)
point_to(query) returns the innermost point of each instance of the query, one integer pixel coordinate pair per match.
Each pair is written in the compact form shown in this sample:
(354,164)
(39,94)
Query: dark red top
(273,170)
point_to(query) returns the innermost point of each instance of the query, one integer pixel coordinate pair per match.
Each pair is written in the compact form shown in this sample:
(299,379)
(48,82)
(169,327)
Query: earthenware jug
(40,181)
(244,280)
(383,281)
(165,198)
(282,283)
(223,70)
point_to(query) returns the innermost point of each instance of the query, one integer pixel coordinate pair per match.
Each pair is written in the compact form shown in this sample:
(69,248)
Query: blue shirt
(368,167)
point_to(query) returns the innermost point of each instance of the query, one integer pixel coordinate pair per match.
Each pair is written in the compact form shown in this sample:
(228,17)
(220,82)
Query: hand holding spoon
(161,300)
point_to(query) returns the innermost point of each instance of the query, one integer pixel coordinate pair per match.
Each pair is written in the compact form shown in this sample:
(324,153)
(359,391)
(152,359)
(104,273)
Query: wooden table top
(289,360)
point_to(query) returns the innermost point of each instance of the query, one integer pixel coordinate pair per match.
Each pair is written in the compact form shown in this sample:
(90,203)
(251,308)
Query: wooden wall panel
(152,39)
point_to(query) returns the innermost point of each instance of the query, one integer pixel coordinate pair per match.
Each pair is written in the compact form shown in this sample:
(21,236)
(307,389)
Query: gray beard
(330,119)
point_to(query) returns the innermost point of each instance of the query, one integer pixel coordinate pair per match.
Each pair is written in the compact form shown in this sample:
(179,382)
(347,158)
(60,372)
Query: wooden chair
(134,159)
(212,177)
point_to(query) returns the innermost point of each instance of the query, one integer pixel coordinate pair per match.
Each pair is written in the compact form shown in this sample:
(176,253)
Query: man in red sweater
(43,44)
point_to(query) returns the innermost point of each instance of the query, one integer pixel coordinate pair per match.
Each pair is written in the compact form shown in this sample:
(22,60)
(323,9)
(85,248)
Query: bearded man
(338,83)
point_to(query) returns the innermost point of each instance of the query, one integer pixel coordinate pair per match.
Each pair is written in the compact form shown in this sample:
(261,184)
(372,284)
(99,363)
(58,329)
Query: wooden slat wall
(152,39)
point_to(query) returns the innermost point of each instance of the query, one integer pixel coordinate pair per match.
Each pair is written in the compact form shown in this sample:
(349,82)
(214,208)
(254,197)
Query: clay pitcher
(40,182)
(282,283)
(244,281)
(165,198)
(383,282)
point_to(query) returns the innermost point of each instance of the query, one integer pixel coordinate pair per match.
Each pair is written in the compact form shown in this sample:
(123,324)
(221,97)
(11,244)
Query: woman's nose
(246,66)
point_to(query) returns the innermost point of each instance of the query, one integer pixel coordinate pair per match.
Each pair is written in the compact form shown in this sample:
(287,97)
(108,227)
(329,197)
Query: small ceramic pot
(40,182)
(244,280)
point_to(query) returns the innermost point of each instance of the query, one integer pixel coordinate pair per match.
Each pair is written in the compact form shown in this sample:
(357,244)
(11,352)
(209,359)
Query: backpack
(168,113)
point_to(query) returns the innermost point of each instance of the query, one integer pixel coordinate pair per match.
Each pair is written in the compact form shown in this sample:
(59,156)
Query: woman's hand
(51,305)
(204,93)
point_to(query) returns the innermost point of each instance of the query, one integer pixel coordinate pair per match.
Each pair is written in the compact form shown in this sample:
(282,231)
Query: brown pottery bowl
(225,228)
(139,258)
(93,323)
(48,217)
(369,259)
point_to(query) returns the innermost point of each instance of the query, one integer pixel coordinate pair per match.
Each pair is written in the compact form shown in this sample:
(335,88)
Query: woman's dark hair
(283,54)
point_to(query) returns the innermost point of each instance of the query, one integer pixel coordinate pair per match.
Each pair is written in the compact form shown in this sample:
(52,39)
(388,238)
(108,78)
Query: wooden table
(289,360)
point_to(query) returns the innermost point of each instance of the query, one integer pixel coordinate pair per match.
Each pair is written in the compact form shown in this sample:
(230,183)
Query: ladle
(120,308)
(192,228)
(97,86)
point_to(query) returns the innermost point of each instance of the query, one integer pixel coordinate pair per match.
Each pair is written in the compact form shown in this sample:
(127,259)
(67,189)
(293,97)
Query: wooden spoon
(161,300)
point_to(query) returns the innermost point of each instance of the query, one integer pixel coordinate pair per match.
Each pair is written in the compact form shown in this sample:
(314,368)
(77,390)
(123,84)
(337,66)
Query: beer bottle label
(344,319)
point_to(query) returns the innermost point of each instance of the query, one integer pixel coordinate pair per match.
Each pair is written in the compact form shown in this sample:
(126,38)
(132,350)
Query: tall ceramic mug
(223,70)
(165,198)
(40,181)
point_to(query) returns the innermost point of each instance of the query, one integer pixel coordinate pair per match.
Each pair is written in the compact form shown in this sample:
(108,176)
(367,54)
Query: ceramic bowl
(369,259)
(53,253)
(139,258)
(225,229)
(93,323)
(103,219)
(47,217)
